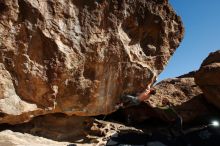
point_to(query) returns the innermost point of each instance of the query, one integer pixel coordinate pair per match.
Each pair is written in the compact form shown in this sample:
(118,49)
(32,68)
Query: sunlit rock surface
(10,138)
(208,78)
(174,97)
(183,95)
(78,57)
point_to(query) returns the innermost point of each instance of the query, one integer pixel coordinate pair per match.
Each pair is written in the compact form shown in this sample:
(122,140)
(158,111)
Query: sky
(201,19)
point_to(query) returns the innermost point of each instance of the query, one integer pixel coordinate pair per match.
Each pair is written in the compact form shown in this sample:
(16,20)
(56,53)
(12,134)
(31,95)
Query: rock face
(185,96)
(176,91)
(77,57)
(208,78)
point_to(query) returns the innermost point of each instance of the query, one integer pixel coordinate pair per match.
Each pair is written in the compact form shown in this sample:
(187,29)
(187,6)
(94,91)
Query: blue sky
(201,19)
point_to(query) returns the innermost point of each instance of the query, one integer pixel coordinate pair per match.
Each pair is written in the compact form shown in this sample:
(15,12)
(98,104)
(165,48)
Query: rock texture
(77,57)
(59,129)
(185,96)
(182,93)
(10,138)
(175,91)
(208,78)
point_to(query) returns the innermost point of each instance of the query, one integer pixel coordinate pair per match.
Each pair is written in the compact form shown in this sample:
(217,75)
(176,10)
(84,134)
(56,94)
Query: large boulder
(175,91)
(183,95)
(208,78)
(78,57)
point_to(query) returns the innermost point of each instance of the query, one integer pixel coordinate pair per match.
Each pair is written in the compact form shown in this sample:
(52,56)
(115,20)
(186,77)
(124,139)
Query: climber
(136,99)
(131,100)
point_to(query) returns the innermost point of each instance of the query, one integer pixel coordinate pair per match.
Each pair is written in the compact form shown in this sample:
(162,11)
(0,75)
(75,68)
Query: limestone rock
(78,57)
(208,78)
